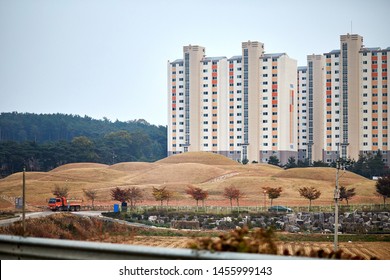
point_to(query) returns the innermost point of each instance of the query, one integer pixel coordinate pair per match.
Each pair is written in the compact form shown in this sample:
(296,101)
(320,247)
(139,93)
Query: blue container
(116,207)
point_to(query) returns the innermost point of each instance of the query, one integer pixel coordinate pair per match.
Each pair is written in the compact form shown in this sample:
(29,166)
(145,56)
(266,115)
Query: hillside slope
(206,170)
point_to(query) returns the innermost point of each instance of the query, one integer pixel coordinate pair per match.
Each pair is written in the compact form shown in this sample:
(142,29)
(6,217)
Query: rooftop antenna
(351,27)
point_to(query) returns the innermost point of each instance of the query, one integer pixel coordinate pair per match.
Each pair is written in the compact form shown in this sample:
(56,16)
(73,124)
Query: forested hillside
(45,141)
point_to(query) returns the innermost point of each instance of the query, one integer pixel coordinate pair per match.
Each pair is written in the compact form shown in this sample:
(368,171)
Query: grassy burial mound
(198,157)
(208,171)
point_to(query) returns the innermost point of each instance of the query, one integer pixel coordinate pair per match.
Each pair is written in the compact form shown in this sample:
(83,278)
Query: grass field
(207,170)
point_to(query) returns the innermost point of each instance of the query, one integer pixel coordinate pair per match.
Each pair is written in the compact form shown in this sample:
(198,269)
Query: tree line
(367,165)
(46,141)
(135,195)
(232,193)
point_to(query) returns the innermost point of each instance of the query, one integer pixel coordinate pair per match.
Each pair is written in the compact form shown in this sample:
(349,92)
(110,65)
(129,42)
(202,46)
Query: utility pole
(24,202)
(336,199)
(337,196)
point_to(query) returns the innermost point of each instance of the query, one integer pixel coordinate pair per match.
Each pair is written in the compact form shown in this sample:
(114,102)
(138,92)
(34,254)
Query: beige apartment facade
(347,97)
(257,105)
(235,107)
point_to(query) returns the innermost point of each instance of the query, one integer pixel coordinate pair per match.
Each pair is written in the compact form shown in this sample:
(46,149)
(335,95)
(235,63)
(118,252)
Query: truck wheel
(77,208)
(71,208)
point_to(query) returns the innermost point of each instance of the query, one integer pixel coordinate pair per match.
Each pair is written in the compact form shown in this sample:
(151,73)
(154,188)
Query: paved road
(96,214)
(29,215)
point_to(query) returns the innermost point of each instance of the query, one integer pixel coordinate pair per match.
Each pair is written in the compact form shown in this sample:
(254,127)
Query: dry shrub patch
(67,226)
(261,241)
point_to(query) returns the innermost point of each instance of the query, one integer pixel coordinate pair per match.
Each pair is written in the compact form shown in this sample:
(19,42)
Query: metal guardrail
(17,247)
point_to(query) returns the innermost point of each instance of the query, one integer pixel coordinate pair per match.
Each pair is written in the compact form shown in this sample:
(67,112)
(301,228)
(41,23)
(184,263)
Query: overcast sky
(109,58)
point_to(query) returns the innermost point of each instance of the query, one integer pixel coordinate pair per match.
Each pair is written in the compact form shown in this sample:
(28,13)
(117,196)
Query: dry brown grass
(193,173)
(79,165)
(199,157)
(206,170)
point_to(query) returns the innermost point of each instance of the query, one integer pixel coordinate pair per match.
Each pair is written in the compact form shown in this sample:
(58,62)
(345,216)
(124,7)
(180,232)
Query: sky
(108,59)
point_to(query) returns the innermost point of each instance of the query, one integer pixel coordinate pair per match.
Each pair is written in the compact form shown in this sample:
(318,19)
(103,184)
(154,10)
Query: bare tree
(60,191)
(273,193)
(135,195)
(91,194)
(309,193)
(346,194)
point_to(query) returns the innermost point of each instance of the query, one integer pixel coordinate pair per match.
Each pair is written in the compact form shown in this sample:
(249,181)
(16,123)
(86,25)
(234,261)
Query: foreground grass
(295,237)
(71,227)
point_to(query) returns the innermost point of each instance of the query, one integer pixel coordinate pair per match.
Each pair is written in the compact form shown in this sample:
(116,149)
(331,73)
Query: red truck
(62,204)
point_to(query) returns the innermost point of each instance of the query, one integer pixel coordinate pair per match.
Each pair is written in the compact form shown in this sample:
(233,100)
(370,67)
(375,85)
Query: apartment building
(373,101)
(257,104)
(302,111)
(243,107)
(346,91)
